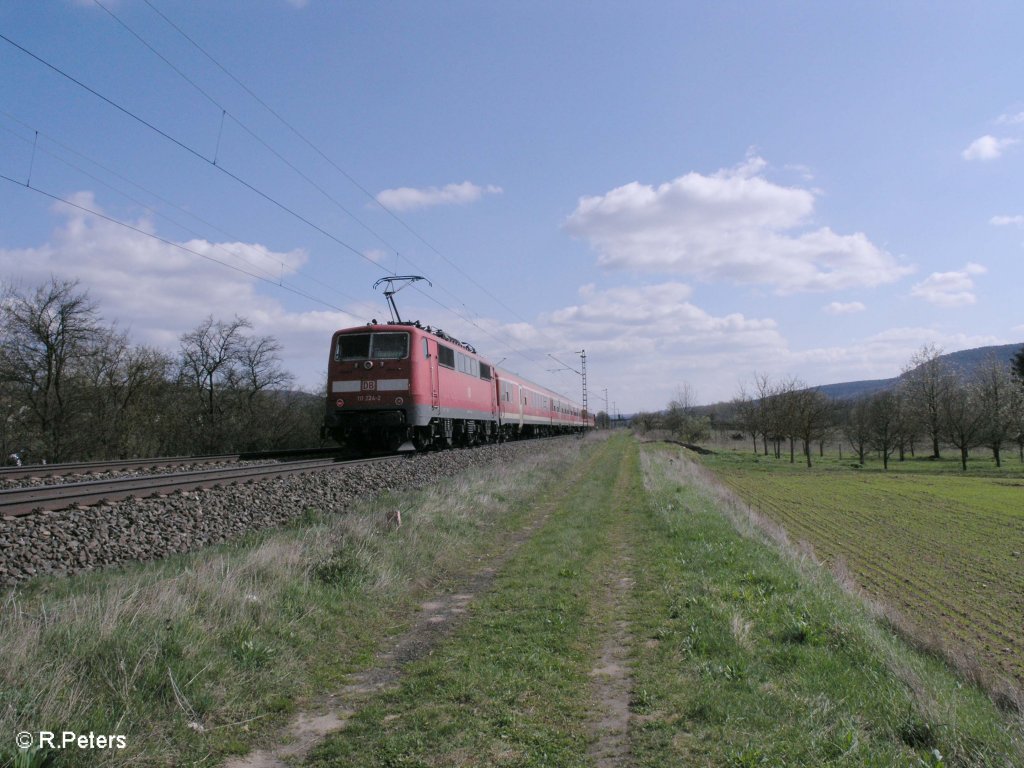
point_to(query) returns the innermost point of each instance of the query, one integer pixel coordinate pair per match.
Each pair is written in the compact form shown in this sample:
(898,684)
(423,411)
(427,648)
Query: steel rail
(15,502)
(94,467)
(86,467)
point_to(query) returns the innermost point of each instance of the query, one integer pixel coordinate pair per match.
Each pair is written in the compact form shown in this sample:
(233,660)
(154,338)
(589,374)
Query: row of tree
(933,404)
(75,388)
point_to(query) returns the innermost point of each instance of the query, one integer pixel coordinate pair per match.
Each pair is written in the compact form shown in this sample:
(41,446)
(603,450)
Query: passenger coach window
(446,356)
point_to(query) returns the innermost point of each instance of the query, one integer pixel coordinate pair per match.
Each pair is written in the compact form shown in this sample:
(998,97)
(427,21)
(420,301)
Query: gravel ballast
(74,540)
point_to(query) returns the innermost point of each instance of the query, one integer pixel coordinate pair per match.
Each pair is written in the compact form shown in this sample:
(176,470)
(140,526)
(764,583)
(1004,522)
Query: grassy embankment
(204,655)
(739,655)
(943,550)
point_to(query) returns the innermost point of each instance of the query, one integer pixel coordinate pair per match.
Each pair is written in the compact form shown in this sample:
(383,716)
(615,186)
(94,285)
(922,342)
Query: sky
(693,193)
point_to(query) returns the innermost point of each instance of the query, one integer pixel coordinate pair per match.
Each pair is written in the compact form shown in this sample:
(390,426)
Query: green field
(945,549)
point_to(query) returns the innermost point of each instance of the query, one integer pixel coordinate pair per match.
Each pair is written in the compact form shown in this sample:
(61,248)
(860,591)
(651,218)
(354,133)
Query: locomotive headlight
(399,400)
(340,403)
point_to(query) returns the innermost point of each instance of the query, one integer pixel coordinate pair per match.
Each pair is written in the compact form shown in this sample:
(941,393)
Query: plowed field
(947,552)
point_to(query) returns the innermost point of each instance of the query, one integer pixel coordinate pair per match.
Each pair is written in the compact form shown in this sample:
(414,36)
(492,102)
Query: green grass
(201,656)
(944,551)
(749,657)
(842,458)
(741,653)
(512,687)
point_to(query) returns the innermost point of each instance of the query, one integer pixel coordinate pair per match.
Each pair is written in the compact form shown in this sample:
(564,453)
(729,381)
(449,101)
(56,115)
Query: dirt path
(437,618)
(612,682)
(612,687)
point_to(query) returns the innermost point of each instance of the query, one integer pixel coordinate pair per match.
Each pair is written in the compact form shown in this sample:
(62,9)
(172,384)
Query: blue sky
(692,192)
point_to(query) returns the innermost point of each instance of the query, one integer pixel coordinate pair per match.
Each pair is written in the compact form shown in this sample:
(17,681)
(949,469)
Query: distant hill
(965,361)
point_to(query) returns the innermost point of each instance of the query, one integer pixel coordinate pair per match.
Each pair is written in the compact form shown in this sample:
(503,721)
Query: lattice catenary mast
(583,358)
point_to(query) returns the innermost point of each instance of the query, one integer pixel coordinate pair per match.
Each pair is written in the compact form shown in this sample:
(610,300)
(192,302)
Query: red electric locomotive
(402,386)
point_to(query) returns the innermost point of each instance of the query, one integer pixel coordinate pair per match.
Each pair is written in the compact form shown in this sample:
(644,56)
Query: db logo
(369,386)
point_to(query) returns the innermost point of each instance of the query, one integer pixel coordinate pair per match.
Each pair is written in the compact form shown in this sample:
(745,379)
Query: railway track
(16,502)
(120,465)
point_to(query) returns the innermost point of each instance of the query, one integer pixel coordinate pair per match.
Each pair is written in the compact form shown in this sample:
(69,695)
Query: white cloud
(1006,221)
(663,312)
(1008,119)
(949,289)
(157,291)
(987,148)
(733,225)
(841,308)
(644,341)
(409,198)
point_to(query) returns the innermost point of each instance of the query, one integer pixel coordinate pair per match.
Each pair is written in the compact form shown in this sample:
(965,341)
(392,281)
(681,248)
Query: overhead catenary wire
(227,114)
(269,198)
(138,230)
(327,195)
(277,263)
(194,152)
(322,154)
(333,164)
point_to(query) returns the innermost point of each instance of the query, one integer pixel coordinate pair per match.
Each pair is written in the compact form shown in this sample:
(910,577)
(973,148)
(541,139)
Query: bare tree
(926,381)
(260,366)
(963,418)
(643,420)
(767,418)
(208,357)
(994,383)
(681,419)
(812,417)
(885,423)
(786,401)
(208,365)
(1017,399)
(857,426)
(748,415)
(46,336)
(132,395)
(1017,417)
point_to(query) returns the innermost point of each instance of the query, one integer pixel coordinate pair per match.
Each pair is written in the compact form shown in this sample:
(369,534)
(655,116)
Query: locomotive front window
(390,346)
(372,346)
(355,346)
